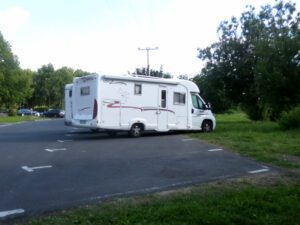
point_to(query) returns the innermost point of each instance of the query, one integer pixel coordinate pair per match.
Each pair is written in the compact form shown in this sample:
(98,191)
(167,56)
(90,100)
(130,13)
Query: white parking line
(62,141)
(258,171)
(31,169)
(187,139)
(11,212)
(55,149)
(5,125)
(150,189)
(68,135)
(215,150)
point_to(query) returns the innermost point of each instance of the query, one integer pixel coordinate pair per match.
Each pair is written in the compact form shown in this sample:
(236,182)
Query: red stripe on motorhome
(113,105)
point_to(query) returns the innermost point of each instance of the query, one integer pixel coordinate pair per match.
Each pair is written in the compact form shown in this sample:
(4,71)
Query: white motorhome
(68,104)
(139,103)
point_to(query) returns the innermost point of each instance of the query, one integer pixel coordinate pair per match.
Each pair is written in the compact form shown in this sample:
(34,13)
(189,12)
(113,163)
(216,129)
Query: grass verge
(16,119)
(264,200)
(262,140)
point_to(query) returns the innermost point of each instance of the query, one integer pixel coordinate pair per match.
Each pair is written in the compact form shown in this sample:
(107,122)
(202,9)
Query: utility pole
(148,49)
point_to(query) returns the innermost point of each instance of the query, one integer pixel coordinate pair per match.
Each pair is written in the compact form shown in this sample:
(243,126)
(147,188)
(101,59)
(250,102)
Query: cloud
(13,19)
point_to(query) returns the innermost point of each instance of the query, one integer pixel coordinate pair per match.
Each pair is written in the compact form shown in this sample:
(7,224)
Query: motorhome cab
(68,104)
(139,103)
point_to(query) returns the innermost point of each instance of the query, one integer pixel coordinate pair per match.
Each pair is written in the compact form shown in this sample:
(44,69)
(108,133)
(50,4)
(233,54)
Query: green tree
(80,73)
(153,73)
(255,63)
(49,85)
(26,84)
(277,71)
(15,84)
(42,85)
(60,78)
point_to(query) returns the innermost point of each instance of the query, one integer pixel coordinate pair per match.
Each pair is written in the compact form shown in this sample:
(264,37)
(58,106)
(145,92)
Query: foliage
(17,119)
(80,73)
(49,85)
(290,119)
(12,112)
(15,84)
(153,73)
(256,62)
(42,84)
(41,108)
(211,90)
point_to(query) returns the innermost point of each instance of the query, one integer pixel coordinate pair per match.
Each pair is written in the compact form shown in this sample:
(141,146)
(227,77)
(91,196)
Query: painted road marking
(31,169)
(11,212)
(4,125)
(215,150)
(55,149)
(68,135)
(258,171)
(187,139)
(62,141)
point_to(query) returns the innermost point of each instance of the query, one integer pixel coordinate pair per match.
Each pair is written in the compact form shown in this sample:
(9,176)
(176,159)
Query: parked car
(27,112)
(55,113)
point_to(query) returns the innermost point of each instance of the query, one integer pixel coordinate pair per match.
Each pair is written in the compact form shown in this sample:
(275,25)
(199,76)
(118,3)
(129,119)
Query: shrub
(12,112)
(41,108)
(290,119)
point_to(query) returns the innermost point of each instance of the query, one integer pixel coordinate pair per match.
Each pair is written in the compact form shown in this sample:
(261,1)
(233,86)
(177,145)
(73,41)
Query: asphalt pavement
(46,166)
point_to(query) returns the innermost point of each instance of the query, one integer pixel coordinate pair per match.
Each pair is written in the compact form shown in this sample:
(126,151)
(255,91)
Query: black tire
(111,133)
(95,130)
(207,126)
(136,130)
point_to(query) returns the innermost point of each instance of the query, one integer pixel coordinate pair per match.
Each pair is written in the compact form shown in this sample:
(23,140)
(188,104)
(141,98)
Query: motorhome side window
(70,93)
(137,89)
(179,98)
(163,98)
(85,91)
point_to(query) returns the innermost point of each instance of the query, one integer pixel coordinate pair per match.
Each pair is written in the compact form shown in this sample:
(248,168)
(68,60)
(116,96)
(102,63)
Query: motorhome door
(197,111)
(162,110)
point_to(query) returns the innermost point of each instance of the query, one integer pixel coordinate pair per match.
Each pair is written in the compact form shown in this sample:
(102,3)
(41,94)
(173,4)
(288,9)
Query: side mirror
(207,106)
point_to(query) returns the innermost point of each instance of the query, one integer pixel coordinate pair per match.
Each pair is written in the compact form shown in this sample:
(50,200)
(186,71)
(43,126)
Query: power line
(148,49)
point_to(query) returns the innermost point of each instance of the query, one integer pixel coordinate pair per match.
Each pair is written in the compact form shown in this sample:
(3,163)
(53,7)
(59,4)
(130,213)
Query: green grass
(16,119)
(237,202)
(261,140)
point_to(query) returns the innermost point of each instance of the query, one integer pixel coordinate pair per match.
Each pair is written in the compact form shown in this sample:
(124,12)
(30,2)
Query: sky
(103,36)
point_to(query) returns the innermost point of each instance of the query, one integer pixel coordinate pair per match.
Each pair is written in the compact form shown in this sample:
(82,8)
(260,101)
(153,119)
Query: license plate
(82,122)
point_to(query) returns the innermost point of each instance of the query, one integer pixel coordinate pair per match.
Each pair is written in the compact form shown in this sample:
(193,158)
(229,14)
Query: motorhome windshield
(197,101)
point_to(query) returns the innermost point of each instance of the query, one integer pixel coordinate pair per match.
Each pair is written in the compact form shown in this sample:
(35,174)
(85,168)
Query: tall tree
(42,85)
(255,63)
(60,78)
(15,84)
(49,85)
(80,73)
(153,73)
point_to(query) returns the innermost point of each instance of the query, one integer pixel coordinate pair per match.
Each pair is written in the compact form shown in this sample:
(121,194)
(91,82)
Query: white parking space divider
(31,169)
(215,150)
(258,171)
(62,141)
(187,139)
(11,212)
(55,149)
